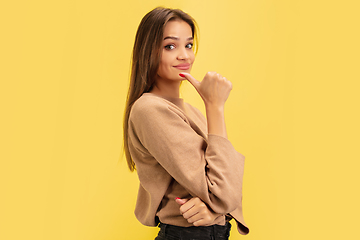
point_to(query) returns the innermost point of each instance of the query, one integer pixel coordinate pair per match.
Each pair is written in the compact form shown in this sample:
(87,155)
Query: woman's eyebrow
(176,38)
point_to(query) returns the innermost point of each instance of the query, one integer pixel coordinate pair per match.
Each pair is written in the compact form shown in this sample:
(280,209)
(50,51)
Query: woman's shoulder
(147,101)
(150,104)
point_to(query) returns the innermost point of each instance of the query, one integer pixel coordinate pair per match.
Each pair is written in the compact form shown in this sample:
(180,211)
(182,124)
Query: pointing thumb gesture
(214,89)
(191,79)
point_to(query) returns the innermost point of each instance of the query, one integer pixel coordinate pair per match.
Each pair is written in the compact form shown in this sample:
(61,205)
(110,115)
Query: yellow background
(293,112)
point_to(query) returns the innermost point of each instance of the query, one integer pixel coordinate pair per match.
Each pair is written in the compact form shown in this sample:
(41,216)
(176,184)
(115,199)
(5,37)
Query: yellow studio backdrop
(293,112)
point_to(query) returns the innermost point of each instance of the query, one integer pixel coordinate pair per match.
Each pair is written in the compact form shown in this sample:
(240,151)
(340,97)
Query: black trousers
(214,232)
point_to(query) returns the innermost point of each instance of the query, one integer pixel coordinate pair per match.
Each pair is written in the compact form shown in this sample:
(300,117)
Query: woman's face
(177,51)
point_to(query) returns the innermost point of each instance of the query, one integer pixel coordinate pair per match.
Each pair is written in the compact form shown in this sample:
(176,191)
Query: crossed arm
(214,90)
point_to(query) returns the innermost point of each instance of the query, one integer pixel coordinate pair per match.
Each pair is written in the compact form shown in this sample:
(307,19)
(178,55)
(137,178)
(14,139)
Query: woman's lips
(183,66)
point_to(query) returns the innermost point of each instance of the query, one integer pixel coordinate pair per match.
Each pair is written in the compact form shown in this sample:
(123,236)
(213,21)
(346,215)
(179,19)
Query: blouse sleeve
(211,170)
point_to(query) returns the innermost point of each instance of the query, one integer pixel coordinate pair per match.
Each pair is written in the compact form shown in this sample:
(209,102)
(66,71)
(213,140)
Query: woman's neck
(167,88)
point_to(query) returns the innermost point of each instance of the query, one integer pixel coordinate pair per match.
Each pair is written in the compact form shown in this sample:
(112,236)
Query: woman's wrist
(214,107)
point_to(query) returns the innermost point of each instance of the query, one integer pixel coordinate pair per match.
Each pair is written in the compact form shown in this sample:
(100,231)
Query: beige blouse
(175,157)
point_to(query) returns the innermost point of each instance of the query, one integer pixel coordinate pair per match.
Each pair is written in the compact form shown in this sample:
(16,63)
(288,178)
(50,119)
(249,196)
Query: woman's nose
(183,54)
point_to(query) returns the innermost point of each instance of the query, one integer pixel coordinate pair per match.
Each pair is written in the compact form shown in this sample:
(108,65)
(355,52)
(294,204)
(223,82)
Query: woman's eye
(169,47)
(189,45)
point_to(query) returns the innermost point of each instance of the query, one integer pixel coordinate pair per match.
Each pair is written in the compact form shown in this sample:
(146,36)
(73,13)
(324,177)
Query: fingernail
(177,198)
(181,75)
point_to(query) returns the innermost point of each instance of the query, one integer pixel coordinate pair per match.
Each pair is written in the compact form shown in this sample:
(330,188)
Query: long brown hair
(146,59)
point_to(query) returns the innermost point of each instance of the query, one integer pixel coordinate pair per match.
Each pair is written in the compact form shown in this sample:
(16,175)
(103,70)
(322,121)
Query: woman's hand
(214,89)
(197,212)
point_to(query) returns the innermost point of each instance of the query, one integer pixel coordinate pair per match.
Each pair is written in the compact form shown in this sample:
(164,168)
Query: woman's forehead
(178,28)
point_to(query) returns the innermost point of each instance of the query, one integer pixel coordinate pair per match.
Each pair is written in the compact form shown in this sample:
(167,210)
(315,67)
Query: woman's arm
(214,90)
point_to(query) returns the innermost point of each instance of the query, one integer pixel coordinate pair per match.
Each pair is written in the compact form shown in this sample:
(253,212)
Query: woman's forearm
(216,120)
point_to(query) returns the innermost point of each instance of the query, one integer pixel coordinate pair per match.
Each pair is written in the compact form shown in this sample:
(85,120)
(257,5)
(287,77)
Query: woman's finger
(193,207)
(187,206)
(181,201)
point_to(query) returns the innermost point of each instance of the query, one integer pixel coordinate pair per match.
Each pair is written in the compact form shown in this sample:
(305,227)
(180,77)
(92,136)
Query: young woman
(190,174)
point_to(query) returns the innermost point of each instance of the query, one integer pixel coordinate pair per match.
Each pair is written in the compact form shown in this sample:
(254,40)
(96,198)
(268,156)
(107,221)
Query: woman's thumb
(191,79)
